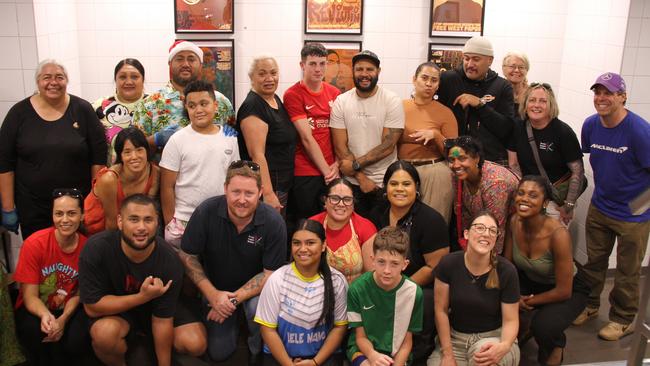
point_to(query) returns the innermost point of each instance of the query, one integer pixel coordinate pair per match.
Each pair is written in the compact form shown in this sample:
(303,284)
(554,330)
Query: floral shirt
(164,108)
(495,193)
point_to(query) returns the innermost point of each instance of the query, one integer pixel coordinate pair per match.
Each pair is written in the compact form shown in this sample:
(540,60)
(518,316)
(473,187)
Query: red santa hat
(181,45)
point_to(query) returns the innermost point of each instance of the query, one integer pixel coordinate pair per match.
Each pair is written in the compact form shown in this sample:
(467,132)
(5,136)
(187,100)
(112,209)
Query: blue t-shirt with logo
(620,159)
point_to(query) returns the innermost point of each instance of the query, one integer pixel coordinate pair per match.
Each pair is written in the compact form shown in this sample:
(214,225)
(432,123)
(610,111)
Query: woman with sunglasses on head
(478,185)
(50,324)
(427,124)
(348,235)
(540,247)
(302,308)
(428,234)
(133,172)
(476,302)
(556,148)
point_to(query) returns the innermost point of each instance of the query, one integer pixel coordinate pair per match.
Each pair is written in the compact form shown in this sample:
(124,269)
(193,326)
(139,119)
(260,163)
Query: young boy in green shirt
(384,306)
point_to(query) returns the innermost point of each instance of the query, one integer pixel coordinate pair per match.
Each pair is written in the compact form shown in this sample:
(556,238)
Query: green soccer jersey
(385,316)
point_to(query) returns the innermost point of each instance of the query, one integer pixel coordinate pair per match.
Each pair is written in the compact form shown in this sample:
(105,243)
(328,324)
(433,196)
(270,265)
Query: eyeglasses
(72,192)
(458,141)
(480,229)
(244,163)
(334,199)
(516,67)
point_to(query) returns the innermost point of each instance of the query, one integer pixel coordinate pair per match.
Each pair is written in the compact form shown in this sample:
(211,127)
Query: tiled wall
(18,62)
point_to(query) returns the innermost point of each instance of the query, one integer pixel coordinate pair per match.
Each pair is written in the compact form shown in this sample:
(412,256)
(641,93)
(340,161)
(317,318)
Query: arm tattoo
(193,267)
(575,182)
(254,283)
(387,145)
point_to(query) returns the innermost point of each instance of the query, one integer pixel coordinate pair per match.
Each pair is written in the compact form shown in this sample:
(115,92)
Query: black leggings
(548,322)
(74,342)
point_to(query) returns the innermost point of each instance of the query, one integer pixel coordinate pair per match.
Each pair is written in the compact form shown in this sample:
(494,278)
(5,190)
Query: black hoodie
(491,124)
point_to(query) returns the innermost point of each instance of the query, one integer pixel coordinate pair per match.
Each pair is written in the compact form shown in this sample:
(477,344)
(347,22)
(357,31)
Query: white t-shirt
(365,119)
(201,162)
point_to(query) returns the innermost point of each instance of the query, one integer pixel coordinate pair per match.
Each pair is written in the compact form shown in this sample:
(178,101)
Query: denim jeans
(222,338)
(464,345)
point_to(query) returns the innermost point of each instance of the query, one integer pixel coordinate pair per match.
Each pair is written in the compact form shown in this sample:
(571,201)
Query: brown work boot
(613,331)
(586,314)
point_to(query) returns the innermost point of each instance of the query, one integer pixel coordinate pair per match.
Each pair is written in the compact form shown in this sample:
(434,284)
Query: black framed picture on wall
(219,65)
(339,62)
(333,16)
(447,56)
(204,16)
(456,18)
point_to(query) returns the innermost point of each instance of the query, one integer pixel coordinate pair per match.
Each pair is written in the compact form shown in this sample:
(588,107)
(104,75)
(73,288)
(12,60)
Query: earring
(417,194)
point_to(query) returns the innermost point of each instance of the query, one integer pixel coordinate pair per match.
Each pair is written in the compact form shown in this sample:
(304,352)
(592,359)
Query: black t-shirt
(557,145)
(427,231)
(45,155)
(474,308)
(104,270)
(281,136)
(229,258)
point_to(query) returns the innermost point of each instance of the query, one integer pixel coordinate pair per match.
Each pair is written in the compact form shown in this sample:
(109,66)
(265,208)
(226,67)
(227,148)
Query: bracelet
(314,361)
(570,204)
(358,360)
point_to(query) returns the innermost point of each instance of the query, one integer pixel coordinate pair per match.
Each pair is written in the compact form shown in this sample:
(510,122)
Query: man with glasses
(616,140)
(366,123)
(231,245)
(481,100)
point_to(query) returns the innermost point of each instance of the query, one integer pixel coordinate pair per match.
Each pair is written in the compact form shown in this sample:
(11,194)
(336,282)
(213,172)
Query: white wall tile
(14,79)
(641,92)
(8,20)
(646,10)
(642,61)
(10,47)
(29,82)
(636,8)
(28,52)
(644,35)
(25,15)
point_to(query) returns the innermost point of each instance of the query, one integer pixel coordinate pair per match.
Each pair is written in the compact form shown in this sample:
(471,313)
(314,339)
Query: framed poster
(456,18)
(446,56)
(204,16)
(219,65)
(339,62)
(333,16)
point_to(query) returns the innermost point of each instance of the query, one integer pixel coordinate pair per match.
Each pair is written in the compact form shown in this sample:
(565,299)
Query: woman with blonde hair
(515,68)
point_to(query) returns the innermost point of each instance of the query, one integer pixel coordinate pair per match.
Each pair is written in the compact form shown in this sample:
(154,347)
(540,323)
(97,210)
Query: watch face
(356,166)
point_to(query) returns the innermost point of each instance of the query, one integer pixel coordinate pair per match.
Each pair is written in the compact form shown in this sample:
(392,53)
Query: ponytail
(493,277)
(328,296)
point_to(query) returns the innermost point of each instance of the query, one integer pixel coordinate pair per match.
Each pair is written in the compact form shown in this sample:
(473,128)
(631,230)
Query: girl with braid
(302,308)
(476,298)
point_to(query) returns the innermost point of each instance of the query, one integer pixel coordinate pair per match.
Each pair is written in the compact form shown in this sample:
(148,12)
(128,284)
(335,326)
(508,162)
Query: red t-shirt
(364,228)
(42,262)
(302,103)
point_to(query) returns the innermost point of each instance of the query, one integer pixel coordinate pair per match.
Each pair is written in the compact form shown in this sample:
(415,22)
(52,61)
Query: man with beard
(129,283)
(480,99)
(162,113)
(366,123)
(231,245)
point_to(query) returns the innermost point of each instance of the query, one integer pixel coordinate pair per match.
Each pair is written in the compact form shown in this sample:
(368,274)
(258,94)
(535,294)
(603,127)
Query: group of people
(340,225)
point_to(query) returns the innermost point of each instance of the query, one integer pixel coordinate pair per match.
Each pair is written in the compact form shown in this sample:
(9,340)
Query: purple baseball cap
(611,81)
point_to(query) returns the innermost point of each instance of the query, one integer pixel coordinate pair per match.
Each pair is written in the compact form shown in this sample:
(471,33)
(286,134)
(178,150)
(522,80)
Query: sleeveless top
(540,269)
(94,215)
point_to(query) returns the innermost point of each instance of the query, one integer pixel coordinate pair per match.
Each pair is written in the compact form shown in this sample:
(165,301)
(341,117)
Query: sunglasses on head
(458,141)
(244,163)
(72,192)
(543,85)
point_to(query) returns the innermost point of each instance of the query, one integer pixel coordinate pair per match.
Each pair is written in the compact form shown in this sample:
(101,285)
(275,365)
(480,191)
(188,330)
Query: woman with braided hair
(302,308)
(476,298)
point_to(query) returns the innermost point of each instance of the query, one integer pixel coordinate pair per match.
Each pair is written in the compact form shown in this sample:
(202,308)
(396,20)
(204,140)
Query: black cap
(366,55)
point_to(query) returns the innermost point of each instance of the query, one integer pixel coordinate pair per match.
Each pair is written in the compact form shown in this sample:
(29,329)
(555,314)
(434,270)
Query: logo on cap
(607,76)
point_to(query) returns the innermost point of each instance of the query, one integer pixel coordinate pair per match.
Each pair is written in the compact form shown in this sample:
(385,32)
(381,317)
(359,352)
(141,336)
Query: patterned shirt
(165,108)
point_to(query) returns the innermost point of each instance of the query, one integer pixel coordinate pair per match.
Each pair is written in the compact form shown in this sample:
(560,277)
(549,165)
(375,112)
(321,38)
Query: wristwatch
(570,205)
(356,166)
(481,103)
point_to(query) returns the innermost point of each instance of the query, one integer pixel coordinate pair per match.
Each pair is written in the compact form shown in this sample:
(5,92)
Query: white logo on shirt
(368,307)
(618,150)
(546,146)
(308,107)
